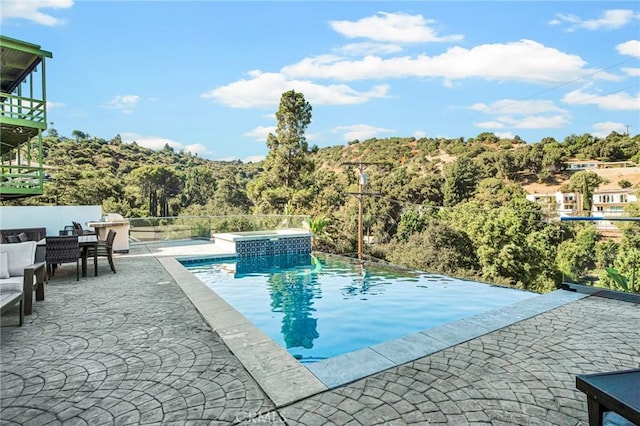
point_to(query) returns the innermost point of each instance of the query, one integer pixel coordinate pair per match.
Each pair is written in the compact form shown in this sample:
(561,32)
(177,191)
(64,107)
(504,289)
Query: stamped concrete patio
(130,348)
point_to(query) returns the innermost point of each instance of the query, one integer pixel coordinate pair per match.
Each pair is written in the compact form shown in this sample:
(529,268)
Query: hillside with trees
(450,206)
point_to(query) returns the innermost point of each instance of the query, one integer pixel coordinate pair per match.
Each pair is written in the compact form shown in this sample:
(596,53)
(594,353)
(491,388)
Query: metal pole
(360,221)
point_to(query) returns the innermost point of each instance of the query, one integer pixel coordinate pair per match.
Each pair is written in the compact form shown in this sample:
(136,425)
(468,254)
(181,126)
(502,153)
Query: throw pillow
(4,266)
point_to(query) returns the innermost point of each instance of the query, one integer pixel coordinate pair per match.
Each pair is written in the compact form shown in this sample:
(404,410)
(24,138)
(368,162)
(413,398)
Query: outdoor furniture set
(26,264)
(73,248)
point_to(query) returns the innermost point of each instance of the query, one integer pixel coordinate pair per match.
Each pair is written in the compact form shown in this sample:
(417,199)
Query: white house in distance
(560,203)
(576,165)
(608,199)
(611,202)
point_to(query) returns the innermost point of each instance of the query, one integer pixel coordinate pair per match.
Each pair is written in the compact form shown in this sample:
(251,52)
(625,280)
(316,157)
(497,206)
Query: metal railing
(18,179)
(21,108)
(203,227)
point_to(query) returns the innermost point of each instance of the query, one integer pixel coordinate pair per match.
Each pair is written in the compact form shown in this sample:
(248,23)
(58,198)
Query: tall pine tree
(286,179)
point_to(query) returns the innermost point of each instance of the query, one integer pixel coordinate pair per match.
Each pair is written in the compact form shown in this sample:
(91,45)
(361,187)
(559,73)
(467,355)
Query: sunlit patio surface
(131,348)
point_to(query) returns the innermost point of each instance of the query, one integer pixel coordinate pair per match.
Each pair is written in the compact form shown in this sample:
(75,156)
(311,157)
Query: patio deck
(130,348)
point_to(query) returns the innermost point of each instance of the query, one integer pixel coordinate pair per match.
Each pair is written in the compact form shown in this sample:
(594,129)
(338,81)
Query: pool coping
(285,380)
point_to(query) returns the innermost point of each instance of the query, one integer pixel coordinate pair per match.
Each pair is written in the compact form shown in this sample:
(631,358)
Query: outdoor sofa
(20,274)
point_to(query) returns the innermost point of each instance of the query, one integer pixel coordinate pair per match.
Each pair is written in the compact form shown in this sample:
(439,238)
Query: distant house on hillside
(558,203)
(576,165)
(611,202)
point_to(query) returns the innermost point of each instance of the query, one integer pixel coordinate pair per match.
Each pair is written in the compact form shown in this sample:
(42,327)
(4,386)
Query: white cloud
(313,136)
(605,128)
(609,20)
(489,125)
(621,101)
(360,132)
(124,103)
(265,89)
(631,48)
(363,49)
(631,72)
(260,133)
(31,10)
(505,135)
(536,121)
(523,60)
(52,105)
(419,134)
(392,27)
(531,114)
(157,142)
(512,106)
(253,159)
(197,148)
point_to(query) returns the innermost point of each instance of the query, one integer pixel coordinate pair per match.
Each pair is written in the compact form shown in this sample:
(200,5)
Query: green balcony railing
(17,180)
(16,109)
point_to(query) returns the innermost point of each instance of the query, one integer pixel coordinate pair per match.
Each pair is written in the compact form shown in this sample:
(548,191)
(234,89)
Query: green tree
(460,181)
(577,256)
(623,183)
(585,182)
(231,194)
(79,135)
(199,186)
(439,248)
(159,184)
(287,168)
(500,239)
(412,221)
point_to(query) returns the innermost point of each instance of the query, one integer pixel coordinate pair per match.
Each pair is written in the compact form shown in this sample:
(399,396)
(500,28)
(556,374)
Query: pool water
(319,306)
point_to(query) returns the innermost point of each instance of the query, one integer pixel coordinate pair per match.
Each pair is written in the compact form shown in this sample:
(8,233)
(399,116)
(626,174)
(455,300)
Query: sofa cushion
(19,256)
(4,266)
(12,284)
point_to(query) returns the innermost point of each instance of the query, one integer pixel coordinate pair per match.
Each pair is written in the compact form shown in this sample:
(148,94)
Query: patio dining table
(85,242)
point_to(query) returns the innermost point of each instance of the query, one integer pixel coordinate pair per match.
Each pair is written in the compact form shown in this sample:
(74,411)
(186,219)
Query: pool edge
(286,380)
(295,382)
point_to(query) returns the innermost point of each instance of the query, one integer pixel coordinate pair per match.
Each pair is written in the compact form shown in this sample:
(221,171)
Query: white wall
(54,218)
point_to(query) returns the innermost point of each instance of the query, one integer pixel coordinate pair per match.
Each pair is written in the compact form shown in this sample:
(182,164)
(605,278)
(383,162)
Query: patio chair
(81,231)
(62,250)
(105,249)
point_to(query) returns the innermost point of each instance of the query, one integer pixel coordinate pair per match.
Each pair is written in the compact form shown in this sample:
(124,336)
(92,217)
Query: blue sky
(207,76)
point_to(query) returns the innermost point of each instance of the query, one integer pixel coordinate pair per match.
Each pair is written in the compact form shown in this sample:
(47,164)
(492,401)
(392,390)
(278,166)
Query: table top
(82,239)
(107,224)
(621,386)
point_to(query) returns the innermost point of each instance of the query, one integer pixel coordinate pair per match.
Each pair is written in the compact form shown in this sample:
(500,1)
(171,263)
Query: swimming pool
(319,307)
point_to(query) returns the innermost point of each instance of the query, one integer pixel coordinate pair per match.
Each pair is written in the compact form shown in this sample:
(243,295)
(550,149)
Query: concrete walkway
(130,348)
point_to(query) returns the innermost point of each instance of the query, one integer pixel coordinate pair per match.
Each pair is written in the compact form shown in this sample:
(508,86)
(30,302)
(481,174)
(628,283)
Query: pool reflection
(292,285)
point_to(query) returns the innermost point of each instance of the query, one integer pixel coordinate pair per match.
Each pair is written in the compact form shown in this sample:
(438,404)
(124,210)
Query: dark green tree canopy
(288,168)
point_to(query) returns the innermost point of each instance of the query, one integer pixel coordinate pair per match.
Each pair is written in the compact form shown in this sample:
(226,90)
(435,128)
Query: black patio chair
(105,249)
(79,230)
(60,250)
